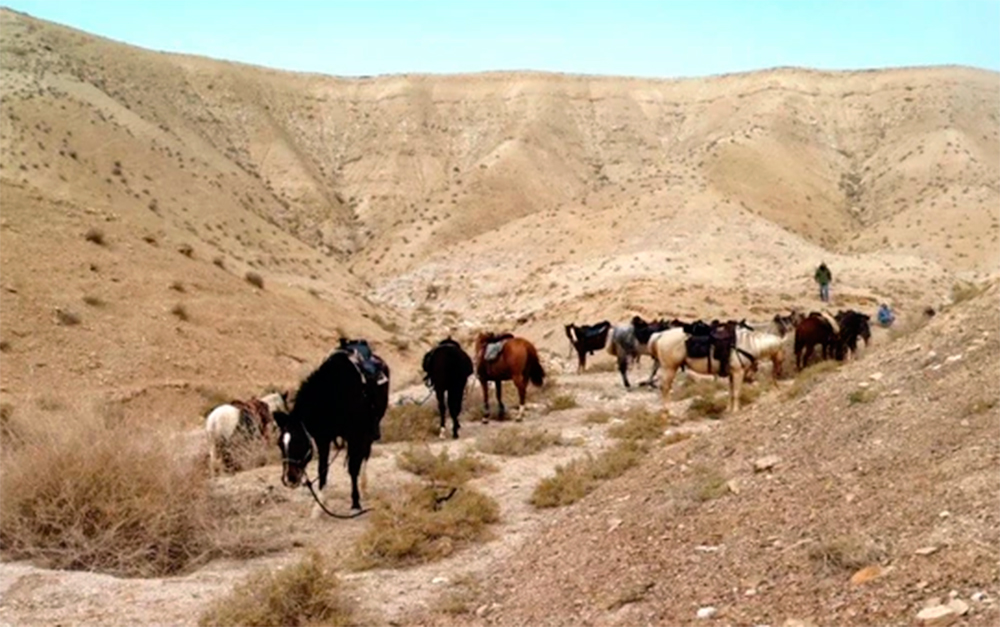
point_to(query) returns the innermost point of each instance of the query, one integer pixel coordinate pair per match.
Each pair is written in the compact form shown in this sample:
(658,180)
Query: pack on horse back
(708,340)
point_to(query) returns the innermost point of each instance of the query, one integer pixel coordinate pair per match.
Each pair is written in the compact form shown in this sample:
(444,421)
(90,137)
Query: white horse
(669,348)
(762,345)
(225,424)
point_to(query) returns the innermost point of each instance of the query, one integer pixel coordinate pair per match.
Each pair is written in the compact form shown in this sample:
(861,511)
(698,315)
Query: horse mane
(488,336)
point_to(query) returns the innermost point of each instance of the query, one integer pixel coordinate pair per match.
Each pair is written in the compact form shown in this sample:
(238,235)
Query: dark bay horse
(812,330)
(586,339)
(447,368)
(516,360)
(344,398)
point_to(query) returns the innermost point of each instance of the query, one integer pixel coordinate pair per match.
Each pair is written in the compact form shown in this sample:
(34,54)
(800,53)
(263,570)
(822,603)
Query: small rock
(936,616)
(896,392)
(766,463)
(707,612)
(876,376)
(849,497)
(863,385)
(926,550)
(613,524)
(960,607)
(978,596)
(481,610)
(944,514)
(733,486)
(750,592)
(953,358)
(931,602)
(439,580)
(866,574)
(706,549)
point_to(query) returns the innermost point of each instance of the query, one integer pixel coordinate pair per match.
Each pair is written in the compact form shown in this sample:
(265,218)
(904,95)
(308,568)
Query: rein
(323,507)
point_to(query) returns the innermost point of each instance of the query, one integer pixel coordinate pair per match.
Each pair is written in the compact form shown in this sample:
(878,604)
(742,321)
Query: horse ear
(280,419)
(284,397)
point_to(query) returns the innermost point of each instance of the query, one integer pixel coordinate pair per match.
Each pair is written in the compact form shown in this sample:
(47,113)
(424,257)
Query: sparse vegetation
(96,236)
(100,495)
(597,417)
(441,469)
(180,311)
(580,477)
(639,423)
(416,527)
(848,552)
(808,377)
(517,441)
(706,483)
(94,301)
(219,261)
(410,423)
(254,279)
(862,395)
(66,317)
(186,249)
(561,402)
(306,593)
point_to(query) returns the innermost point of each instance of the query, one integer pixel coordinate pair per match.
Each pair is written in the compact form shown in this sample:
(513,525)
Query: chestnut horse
(517,361)
(810,331)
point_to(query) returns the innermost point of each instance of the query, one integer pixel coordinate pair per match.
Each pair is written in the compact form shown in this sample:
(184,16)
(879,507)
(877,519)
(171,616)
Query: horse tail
(534,368)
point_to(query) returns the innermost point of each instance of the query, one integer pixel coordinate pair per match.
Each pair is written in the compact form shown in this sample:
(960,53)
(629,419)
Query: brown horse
(812,330)
(516,360)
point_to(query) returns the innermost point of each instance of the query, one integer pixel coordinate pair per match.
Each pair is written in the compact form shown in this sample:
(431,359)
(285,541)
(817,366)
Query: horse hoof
(486,420)
(442,433)
(454,436)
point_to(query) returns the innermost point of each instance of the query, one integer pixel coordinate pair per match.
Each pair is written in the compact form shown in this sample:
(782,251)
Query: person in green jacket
(824,277)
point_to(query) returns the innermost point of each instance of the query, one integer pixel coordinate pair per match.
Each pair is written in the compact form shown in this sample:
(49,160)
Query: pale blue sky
(616,37)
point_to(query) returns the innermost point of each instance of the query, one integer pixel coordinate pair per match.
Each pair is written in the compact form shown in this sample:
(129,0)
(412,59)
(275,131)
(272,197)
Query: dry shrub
(306,593)
(461,598)
(581,476)
(410,423)
(180,311)
(186,249)
(517,441)
(597,417)
(863,395)
(219,261)
(963,291)
(980,406)
(710,405)
(94,301)
(561,402)
(98,495)
(96,236)
(808,377)
(639,424)
(699,387)
(706,483)
(602,365)
(414,527)
(441,469)
(845,552)
(254,279)
(66,317)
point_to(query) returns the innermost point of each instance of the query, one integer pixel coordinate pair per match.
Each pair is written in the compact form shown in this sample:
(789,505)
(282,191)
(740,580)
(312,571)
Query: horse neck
(757,343)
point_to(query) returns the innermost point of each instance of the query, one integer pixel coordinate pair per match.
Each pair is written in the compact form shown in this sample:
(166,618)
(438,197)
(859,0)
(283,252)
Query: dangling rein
(323,507)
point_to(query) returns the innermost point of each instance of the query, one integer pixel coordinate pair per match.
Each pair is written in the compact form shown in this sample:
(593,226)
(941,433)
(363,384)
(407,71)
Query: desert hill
(177,231)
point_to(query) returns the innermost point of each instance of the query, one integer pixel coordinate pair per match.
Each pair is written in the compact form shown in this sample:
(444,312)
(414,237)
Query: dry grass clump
(66,317)
(410,423)
(417,527)
(845,552)
(809,376)
(597,417)
(699,387)
(95,236)
(561,402)
(639,423)
(441,469)
(180,311)
(581,476)
(306,593)
(98,495)
(711,405)
(706,483)
(254,279)
(94,301)
(517,441)
(862,395)
(962,291)
(602,365)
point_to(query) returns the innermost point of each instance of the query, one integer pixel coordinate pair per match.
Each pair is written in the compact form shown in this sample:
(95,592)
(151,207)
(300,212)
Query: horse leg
(522,388)
(623,368)
(486,400)
(439,392)
(355,458)
(735,385)
(652,375)
(665,386)
(323,459)
(503,410)
(455,395)
(582,360)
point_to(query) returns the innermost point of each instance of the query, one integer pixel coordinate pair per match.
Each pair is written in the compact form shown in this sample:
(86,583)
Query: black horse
(853,324)
(344,398)
(586,339)
(447,367)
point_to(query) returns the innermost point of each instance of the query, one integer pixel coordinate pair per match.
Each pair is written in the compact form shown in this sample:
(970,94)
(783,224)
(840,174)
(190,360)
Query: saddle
(704,340)
(591,333)
(369,365)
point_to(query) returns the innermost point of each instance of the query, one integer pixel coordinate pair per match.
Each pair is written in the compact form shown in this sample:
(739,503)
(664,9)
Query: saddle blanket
(493,350)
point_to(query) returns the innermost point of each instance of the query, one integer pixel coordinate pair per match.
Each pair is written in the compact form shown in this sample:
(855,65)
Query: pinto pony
(238,424)
(516,360)
(446,369)
(632,341)
(669,348)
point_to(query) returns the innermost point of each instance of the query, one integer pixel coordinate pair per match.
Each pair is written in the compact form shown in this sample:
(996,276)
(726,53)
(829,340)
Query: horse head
(296,448)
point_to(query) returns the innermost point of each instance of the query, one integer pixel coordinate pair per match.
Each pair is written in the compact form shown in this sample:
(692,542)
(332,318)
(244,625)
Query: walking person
(824,277)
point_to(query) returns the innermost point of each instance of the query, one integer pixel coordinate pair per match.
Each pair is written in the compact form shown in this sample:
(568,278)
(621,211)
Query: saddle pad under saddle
(493,350)
(698,346)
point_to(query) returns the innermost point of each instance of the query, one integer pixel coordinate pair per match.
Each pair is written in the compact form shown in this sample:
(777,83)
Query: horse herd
(342,402)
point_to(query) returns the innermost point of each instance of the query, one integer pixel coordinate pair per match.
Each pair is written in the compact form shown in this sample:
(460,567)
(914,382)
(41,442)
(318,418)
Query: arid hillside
(176,232)
(405,207)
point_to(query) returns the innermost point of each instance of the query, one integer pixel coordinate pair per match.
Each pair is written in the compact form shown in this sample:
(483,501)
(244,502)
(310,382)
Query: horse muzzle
(291,476)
